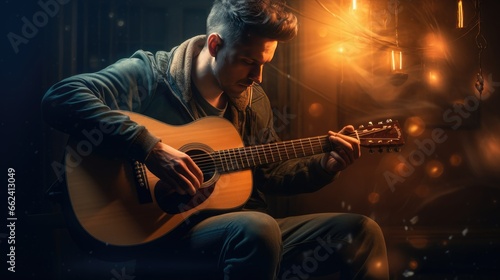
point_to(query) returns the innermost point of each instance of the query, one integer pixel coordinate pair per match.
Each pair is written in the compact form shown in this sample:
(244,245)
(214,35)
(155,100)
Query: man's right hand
(175,168)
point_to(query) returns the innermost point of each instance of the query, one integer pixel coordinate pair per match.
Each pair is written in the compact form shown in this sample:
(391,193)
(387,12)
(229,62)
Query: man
(219,74)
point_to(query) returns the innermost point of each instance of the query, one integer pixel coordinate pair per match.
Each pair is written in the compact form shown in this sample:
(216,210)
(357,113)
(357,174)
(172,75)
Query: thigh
(200,251)
(311,228)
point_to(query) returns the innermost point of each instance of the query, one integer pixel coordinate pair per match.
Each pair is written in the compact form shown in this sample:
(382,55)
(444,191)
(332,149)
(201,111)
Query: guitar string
(231,158)
(284,146)
(266,149)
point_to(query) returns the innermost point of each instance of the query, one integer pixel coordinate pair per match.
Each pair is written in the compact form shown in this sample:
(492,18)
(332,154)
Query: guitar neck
(247,157)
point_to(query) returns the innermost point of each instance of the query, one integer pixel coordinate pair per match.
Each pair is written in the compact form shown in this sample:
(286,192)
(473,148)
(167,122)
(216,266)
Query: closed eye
(248,61)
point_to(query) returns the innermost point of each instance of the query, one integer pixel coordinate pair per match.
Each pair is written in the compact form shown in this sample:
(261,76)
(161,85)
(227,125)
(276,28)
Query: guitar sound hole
(205,162)
(174,203)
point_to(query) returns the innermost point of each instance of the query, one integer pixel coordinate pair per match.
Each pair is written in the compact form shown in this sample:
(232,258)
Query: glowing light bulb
(354,5)
(460,15)
(396,60)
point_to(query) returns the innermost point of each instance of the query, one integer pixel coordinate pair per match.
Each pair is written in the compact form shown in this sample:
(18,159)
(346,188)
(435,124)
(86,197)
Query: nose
(256,74)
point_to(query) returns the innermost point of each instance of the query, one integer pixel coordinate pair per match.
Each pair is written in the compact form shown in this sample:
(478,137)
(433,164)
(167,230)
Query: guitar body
(119,202)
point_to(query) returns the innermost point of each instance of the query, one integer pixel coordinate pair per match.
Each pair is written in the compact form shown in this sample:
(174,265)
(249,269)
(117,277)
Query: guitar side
(103,191)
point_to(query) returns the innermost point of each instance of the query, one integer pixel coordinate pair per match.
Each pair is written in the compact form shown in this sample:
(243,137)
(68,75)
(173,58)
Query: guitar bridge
(141,183)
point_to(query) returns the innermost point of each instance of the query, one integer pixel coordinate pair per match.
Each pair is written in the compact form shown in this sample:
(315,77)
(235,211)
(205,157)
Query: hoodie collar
(181,64)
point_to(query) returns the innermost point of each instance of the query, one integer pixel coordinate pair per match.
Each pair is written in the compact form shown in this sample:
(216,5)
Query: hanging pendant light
(398,76)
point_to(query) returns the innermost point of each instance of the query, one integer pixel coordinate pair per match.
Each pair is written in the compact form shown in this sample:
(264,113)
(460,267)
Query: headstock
(385,135)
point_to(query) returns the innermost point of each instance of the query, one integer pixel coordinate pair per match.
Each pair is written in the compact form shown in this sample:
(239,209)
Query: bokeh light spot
(415,126)
(434,168)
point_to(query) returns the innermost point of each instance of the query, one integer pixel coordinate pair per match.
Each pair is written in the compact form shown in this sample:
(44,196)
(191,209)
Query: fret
(221,162)
(226,160)
(241,158)
(278,149)
(253,157)
(246,157)
(272,153)
(255,162)
(234,160)
(264,152)
(302,146)
(257,153)
(294,151)
(286,151)
(312,146)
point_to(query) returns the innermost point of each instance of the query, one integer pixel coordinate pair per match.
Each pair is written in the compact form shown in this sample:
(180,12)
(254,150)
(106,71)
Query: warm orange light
(354,5)
(414,126)
(436,46)
(460,15)
(433,78)
(322,32)
(434,169)
(374,198)
(397,60)
(316,109)
(413,264)
(455,160)
(419,242)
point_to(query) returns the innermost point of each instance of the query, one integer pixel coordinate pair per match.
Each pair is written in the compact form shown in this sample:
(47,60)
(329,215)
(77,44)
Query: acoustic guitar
(121,203)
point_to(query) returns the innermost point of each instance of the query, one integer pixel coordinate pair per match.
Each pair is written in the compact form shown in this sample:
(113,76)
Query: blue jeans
(254,245)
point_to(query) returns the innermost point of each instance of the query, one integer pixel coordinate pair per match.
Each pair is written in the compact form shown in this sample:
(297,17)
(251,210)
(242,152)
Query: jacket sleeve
(84,106)
(294,176)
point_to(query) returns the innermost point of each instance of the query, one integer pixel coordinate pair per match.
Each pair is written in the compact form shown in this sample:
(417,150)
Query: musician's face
(239,65)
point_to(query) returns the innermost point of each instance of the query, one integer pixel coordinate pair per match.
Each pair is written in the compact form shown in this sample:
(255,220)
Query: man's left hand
(346,150)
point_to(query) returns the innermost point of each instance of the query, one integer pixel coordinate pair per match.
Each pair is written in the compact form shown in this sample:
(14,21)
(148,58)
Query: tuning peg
(370,151)
(380,122)
(370,124)
(389,150)
(397,149)
(361,126)
(388,121)
(380,150)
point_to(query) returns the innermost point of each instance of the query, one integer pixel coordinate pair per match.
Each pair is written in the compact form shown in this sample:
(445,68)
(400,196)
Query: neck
(205,81)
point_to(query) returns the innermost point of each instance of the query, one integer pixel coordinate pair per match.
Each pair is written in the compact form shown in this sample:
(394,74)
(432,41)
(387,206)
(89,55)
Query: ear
(214,43)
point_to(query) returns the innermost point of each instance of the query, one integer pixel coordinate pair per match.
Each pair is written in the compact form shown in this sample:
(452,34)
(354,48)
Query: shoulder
(138,64)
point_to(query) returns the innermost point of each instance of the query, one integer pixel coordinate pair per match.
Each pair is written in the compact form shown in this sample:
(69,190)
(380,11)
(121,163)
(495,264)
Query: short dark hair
(234,20)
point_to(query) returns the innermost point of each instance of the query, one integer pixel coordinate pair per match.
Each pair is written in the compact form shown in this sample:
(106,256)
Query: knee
(372,229)
(258,230)
(352,227)
(253,247)
(257,226)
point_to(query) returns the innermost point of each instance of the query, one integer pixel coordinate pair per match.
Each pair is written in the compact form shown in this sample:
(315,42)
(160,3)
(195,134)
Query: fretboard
(247,157)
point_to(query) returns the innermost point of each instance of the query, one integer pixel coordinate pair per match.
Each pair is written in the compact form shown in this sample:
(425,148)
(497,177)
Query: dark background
(440,222)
